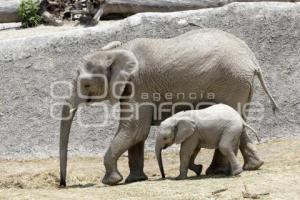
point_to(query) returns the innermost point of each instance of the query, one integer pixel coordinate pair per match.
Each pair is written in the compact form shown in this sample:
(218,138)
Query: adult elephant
(181,70)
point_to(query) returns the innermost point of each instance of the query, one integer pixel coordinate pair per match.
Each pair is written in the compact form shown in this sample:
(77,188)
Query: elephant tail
(252,129)
(258,72)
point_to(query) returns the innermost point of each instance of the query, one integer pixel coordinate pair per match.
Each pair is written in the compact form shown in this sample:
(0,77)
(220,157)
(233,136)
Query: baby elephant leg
(228,146)
(186,151)
(196,168)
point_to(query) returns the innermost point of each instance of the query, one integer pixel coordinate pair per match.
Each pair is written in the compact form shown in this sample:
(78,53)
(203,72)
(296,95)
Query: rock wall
(9,8)
(29,67)
(9,11)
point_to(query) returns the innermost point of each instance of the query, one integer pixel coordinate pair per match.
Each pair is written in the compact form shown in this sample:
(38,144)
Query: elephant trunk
(68,113)
(158,150)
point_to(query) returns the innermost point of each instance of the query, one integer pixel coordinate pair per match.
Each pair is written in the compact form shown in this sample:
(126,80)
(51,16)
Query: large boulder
(9,11)
(30,66)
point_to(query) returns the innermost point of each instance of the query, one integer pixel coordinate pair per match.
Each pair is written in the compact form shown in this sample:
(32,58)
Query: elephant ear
(124,65)
(184,129)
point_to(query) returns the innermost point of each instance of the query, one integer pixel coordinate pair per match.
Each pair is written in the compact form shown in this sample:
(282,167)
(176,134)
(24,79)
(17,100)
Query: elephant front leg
(192,166)
(122,142)
(130,136)
(112,175)
(251,159)
(136,163)
(187,153)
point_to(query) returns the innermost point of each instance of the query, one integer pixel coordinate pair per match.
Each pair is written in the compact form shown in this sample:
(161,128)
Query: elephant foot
(62,183)
(237,171)
(253,164)
(94,22)
(136,177)
(112,178)
(197,169)
(181,177)
(217,170)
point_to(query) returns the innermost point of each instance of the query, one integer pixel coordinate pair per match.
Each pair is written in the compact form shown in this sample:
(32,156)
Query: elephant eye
(165,138)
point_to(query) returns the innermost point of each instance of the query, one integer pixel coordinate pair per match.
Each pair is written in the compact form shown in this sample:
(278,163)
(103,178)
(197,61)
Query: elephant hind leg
(219,164)
(228,146)
(251,159)
(248,150)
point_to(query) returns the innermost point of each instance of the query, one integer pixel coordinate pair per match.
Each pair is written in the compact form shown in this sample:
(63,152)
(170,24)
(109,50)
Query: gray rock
(272,30)
(9,8)
(15,25)
(9,11)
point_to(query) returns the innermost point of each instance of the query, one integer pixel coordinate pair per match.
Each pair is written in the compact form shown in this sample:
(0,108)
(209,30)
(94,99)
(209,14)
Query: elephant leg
(249,152)
(247,148)
(122,142)
(219,164)
(131,136)
(136,163)
(118,146)
(252,161)
(229,153)
(228,145)
(196,168)
(187,150)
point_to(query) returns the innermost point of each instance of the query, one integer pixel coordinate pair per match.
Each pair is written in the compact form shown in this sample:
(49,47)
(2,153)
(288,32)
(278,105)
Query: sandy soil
(279,178)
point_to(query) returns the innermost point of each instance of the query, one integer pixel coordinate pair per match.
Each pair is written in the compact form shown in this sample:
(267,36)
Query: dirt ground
(279,178)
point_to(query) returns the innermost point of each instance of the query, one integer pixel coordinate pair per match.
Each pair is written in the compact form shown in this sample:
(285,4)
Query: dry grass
(279,178)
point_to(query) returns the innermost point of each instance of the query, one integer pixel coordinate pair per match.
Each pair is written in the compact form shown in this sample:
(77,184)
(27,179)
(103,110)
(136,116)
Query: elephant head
(101,75)
(172,131)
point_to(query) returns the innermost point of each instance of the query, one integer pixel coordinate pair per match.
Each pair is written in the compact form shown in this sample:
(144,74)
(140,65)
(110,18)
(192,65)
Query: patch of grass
(29,13)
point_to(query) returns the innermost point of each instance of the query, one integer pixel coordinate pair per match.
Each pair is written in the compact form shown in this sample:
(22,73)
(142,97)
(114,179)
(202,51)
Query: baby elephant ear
(124,65)
(184,129)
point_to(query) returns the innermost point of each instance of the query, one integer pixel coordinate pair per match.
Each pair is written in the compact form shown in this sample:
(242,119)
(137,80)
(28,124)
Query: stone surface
(9,11)
(9,8)
(29,66)
(14,25)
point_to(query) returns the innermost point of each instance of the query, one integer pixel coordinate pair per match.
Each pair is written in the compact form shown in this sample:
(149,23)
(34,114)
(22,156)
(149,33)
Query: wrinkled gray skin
(205,60)
(217,127)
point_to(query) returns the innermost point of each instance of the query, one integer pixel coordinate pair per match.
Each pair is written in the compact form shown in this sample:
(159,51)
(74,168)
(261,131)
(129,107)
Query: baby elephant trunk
(158,150)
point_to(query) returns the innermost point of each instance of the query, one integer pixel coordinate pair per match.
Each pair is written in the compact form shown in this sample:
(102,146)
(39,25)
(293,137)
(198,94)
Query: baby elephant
(218,126)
